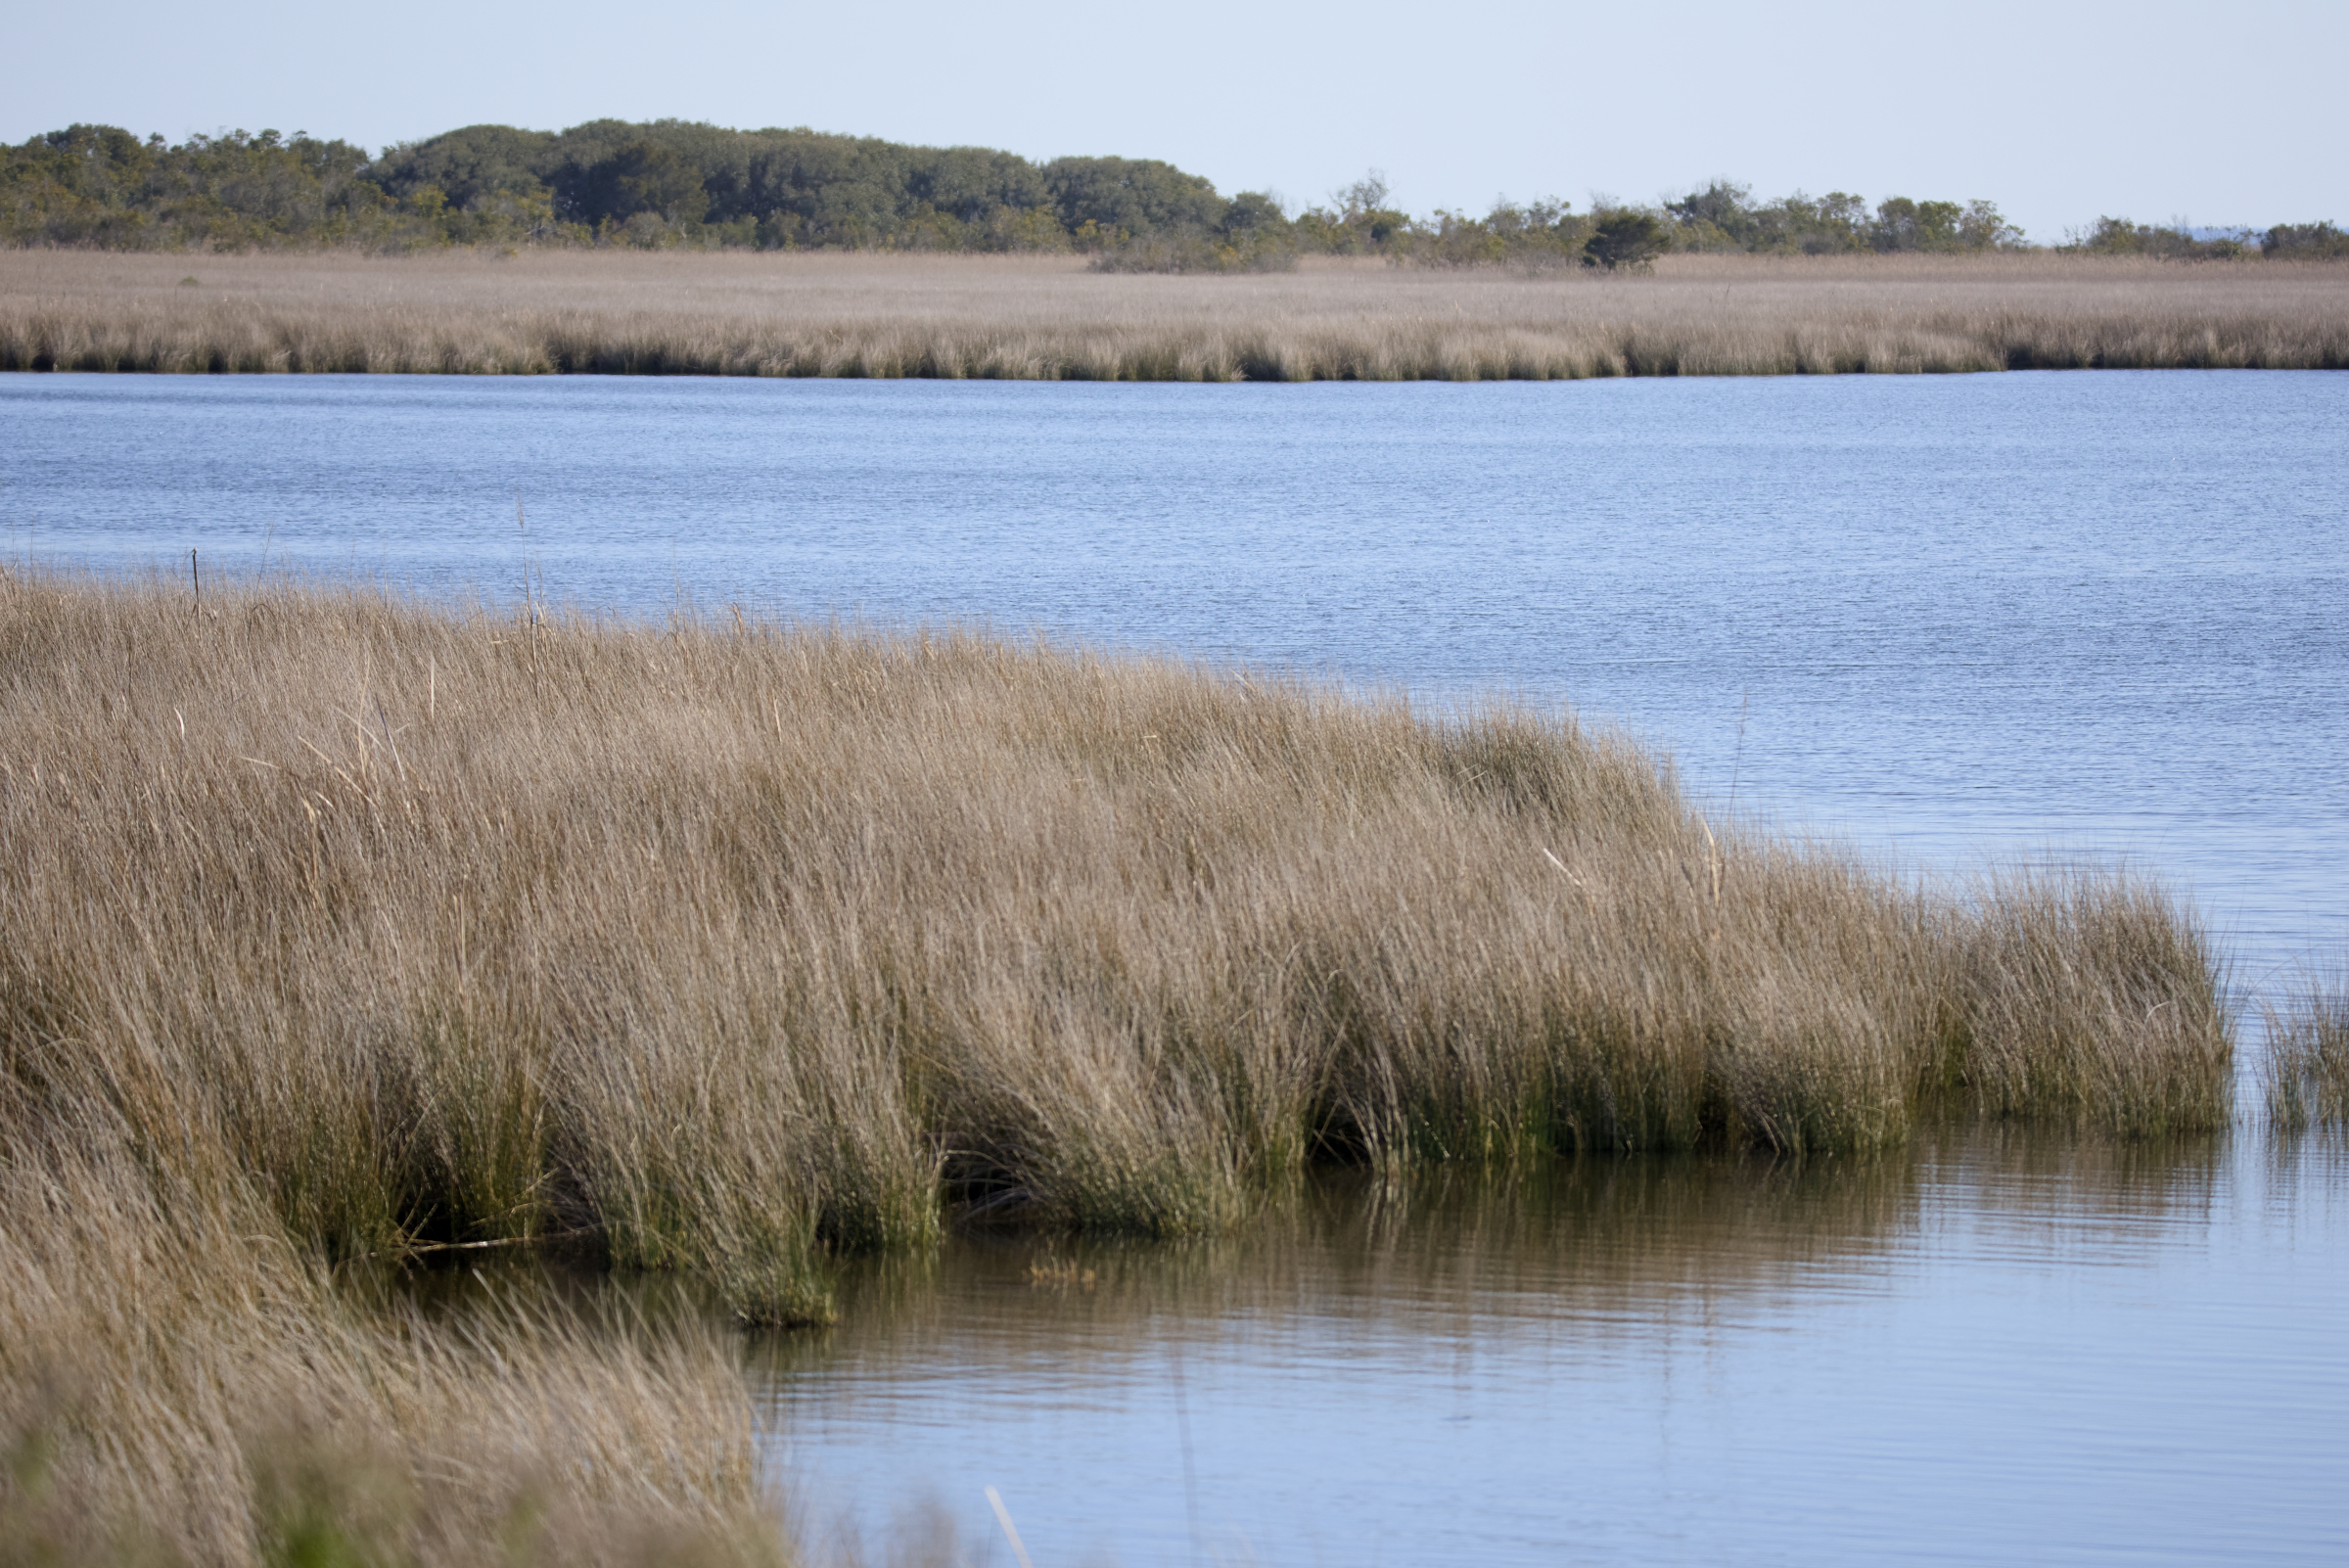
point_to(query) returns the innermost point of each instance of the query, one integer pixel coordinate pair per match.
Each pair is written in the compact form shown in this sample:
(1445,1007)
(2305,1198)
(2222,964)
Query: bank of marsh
(717,945)
(851,314)
(343,925)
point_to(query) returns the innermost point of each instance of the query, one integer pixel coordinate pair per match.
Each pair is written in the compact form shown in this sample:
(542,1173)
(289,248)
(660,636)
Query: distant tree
(1718,218)
(1799,223)
(1365,195)
(1834,223)
(1723,204)
(1902,224)
(101,185)
(1252,214)
(1983,227)
(472,165)
(84,185)
(971,183)
(2112,235)
(644,177)
(1535,236)
(1134,196)
(2308,242)
(1357,221)
(1625,238)
(672,181)
(1906,226)
(2175,242)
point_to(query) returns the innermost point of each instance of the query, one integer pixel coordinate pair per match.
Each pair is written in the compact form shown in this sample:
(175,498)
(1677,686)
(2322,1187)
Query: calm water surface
(1984,1349)
(1952,617)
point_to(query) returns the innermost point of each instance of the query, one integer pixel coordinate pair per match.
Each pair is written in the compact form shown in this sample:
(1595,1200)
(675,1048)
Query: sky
(2058,110)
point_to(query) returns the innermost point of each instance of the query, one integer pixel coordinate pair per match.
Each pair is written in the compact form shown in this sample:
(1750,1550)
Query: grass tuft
(2086,998)
(179,1384)
(2306,1071)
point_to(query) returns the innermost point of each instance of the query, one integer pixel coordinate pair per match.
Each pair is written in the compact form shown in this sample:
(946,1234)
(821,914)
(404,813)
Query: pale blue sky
(2059,110)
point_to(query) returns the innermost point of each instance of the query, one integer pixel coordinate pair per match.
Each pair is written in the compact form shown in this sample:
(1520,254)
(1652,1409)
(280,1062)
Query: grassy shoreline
(725,945)
(340,925)
(1049,319)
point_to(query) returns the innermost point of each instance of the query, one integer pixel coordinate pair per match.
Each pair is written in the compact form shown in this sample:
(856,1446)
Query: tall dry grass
(2306,1071)
(342,925)
(726,947)
(1029,318)
(180,1384)
(2074,1007)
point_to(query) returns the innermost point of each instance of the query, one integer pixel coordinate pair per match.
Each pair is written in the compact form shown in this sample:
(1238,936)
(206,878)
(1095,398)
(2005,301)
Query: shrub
(2310,241)
(1626,238)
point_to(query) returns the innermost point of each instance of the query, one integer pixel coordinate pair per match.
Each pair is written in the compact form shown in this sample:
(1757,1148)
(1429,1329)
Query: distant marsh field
(1049,318)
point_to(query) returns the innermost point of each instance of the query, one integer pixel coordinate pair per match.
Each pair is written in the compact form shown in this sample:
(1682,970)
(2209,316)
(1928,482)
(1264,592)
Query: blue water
(1952,616)
(1983,1350)
(1952,619)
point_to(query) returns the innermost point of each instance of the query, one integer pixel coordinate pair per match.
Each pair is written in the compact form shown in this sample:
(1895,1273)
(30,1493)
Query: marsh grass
(2306,1070)
(180,1384)
(2072,1010)
(1044,319)
(345,927)
(726,948)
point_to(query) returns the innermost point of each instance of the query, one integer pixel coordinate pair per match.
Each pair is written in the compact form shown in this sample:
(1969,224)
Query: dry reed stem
(1045,318)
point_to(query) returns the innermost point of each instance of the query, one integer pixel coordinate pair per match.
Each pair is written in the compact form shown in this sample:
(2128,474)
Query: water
(1950,617)
(1990,1348)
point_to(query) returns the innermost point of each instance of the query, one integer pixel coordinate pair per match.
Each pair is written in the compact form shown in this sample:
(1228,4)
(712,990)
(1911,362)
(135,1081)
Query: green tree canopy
(1626,238)
(671,181)
(1136,196)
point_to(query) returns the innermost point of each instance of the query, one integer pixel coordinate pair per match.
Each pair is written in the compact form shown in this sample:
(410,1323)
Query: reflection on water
(1990,1345)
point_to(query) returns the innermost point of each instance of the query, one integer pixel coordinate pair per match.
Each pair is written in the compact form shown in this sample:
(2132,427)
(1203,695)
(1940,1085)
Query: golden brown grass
(719,945)
(2075,994)
(879,315)
(2307,1066)
(339,925)
(179,1384)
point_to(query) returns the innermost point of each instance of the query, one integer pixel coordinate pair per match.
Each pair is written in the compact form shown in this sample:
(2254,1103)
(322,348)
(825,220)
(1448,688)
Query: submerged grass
(831,315)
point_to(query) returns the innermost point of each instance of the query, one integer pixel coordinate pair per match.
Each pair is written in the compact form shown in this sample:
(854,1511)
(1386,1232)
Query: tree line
(679,183)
